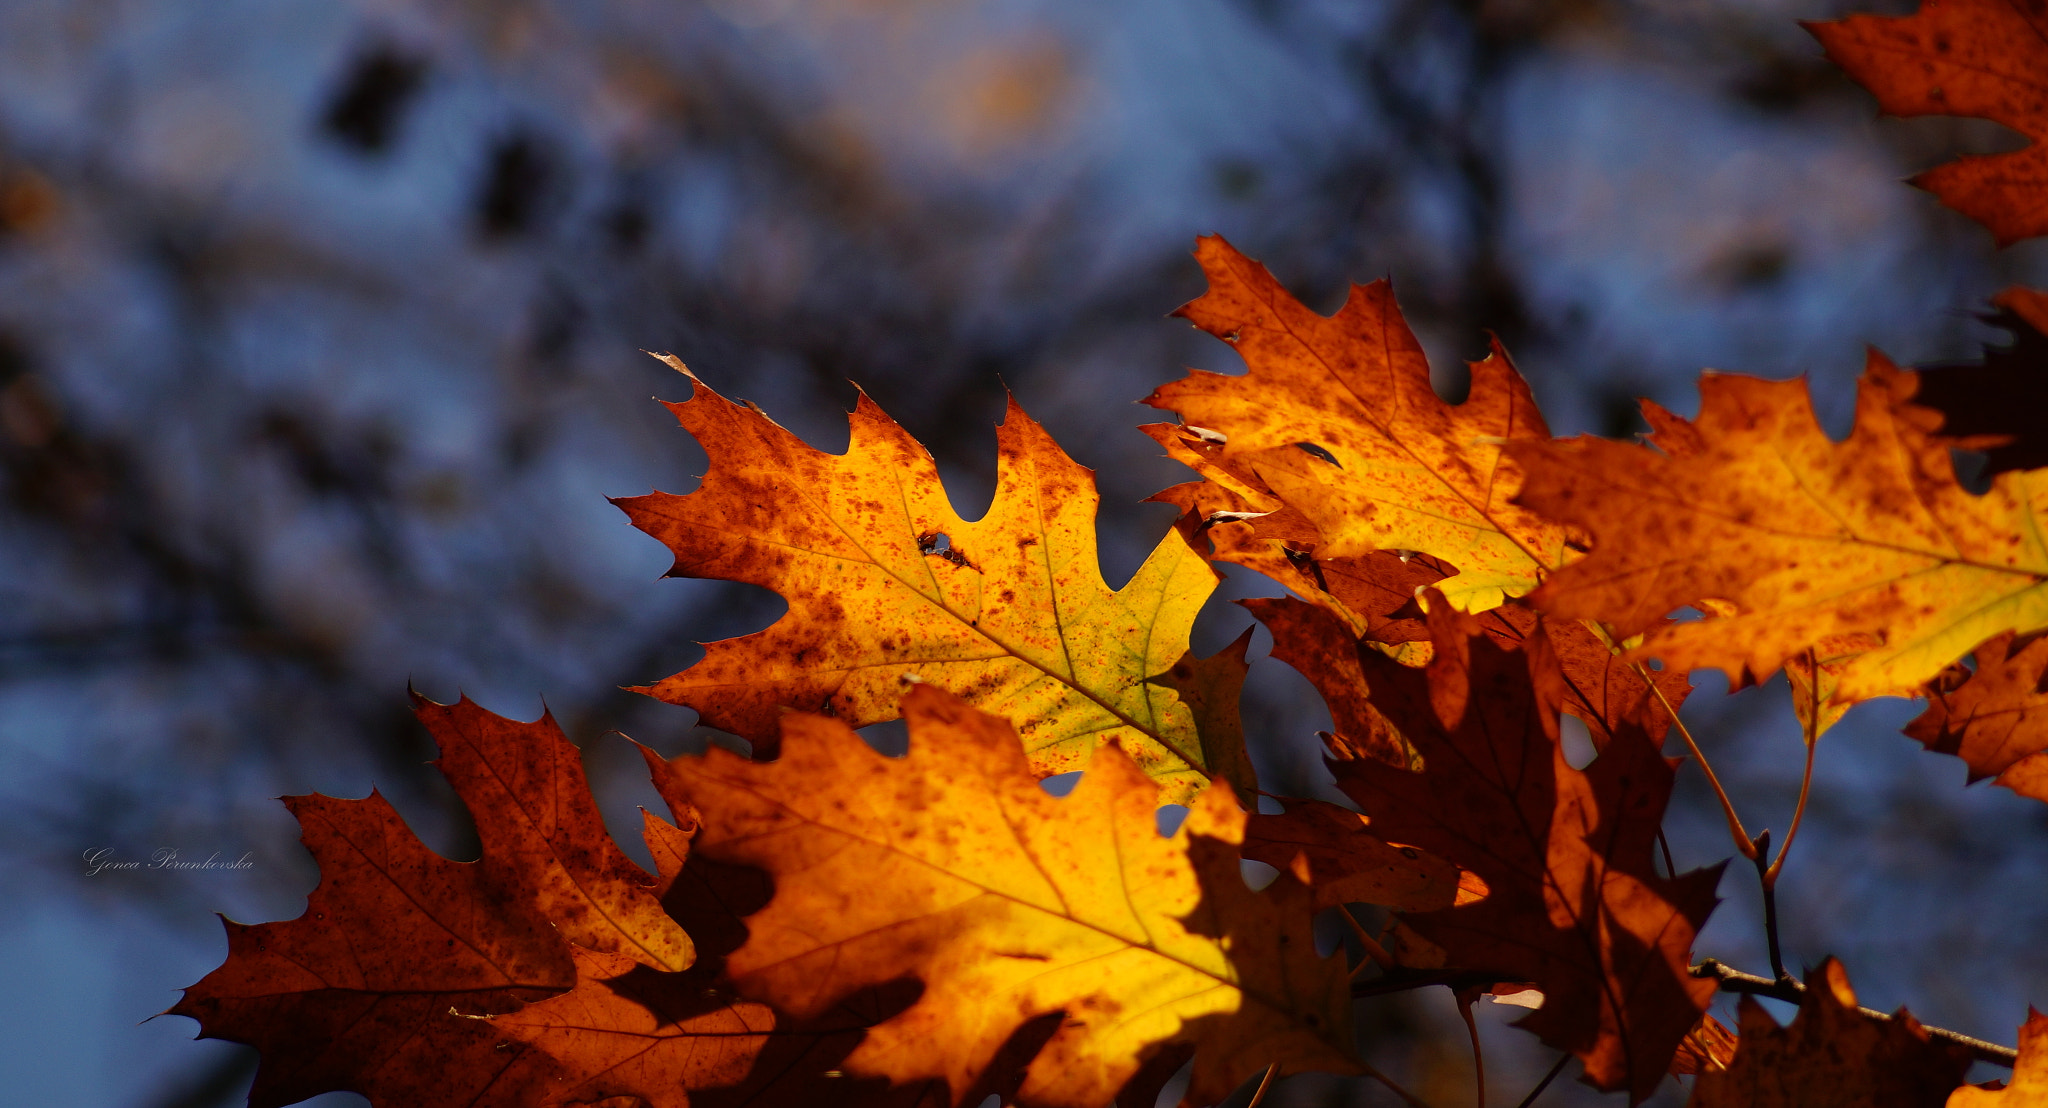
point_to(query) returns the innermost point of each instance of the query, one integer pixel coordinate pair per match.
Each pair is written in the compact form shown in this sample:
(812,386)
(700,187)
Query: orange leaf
(1806,538)
(1832,1055)
(883,580)
(1338,420)
(1997,721)
(683,1040)
(2029,1087)
(1980,58)
(1573,904)
(366,991)
(953,865)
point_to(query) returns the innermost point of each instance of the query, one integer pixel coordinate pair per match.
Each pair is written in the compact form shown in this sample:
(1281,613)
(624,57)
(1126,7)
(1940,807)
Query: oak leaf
(1707,1048)
(366,991)
(672,1040)
(1330,849)
(952,865)
(1803,539)
(1997,401)
(1338,420)
(1980,58)
(2029,1085)
(1833,1055)
(1573,904)
(884,580)
(1996,721)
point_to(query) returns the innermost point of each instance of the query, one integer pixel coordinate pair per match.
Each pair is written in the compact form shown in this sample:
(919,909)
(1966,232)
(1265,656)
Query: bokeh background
(319,355)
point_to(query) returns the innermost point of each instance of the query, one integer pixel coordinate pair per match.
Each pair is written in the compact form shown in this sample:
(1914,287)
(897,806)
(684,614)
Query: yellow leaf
(952,865)
(1807,539)
(885,581)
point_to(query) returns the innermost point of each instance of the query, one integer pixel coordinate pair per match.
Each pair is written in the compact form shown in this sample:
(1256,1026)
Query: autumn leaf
(1707,1048)
(1803,538)
(1338,420)
(366,991)
(1833,1055)
(1981,58)
(952,865)
(1330,849)
(1573,904)
(1997,401)
(1997,720)
(883,580)
(2029,1085)
(1600,687)
(673,1040)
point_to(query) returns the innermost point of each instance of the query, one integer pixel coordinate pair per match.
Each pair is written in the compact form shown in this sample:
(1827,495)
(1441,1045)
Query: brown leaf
(1997,721)
(952,865)
(2029,1085)
(1331,850)
(1707,1048)
(1832,1056)
(366,991)
(1211,688)
(1338,419)
(1997,402)
(1981,58)
(884,581)
(1573,904)
(1806,538)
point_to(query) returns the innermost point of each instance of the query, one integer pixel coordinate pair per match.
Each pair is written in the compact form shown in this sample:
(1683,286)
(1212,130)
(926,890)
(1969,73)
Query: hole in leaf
(1170,818)
(1060,784)
(1319,452)
(1257,875)
(1971,470)
(1576,742)
(890,737)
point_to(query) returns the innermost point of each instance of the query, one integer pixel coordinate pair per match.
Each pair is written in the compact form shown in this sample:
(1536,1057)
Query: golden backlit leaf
(1337,418)
(884,581)
(1980,58)
(1573,904)
(367,991)
(2029,1085)
(1806,538)
(1832,1056)
(953,866)
(1997,720)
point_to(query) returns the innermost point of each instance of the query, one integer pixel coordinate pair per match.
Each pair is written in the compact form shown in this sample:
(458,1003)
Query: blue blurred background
(319,332)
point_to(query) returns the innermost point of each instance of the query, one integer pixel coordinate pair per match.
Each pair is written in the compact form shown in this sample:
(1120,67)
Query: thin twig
(1375,954)
(1664,844)
(1770,887)
(1478,1057)
(1264,1082)
(1798,812)
(1792,992)
(1743,842)
(1547,1079)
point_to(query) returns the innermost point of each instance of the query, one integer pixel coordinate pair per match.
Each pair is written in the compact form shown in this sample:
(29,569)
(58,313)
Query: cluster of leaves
(828,922)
